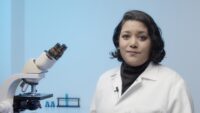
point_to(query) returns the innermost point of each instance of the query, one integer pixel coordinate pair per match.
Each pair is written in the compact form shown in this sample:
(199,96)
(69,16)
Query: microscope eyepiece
(56,51)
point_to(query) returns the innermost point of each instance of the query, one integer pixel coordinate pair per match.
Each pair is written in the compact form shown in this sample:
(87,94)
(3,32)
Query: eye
(125,36)
(142,37)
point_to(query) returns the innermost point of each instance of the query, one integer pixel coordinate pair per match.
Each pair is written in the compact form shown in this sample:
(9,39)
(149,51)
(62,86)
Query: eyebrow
(142,32)
(125,32)
(139,32)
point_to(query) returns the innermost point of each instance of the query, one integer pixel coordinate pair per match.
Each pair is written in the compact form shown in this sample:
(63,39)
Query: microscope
(33,71)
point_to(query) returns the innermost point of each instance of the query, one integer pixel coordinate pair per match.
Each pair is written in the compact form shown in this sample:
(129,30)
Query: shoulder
(107,74)
(166,77)
(105,78)
(166,73)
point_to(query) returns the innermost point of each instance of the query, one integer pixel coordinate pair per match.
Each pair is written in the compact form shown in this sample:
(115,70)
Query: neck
(134,69)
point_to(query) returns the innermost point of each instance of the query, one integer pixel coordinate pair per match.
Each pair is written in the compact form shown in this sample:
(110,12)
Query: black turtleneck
(129,74)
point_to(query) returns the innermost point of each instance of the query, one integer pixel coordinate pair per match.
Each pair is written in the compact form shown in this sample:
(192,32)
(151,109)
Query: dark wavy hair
(157,51)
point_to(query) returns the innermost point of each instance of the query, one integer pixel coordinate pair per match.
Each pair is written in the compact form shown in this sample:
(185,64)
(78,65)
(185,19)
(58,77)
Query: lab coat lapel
(148,74)
(130,91)
(116,84)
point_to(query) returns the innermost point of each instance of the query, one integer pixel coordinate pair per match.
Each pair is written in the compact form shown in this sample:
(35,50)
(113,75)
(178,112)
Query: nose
(133,42)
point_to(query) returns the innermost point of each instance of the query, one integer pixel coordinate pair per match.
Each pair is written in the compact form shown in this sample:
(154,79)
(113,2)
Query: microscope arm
(32,73)
(8,90)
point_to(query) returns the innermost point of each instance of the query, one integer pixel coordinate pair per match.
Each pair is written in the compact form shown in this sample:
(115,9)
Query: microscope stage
(30,96)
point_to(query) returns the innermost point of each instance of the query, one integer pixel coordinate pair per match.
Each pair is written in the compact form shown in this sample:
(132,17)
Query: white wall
(17,35)
(86,28)
(5,39)
(11,37)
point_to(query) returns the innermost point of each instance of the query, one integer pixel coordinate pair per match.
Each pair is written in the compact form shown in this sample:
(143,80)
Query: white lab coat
(157,90)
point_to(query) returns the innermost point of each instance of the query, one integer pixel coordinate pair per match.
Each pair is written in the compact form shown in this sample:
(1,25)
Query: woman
(141,84)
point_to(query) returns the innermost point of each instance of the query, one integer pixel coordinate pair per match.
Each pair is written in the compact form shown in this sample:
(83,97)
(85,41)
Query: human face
(134,43)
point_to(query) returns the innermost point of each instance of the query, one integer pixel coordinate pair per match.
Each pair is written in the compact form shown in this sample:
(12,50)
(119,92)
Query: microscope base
(28,101)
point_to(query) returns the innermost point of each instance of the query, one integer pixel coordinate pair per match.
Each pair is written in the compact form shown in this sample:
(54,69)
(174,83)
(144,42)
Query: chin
(133,62)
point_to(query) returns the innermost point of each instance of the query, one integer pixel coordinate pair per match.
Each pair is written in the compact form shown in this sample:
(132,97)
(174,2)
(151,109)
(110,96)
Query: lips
(133,52)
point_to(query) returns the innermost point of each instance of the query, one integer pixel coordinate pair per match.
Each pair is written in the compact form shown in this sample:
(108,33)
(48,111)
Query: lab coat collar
(149,73)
